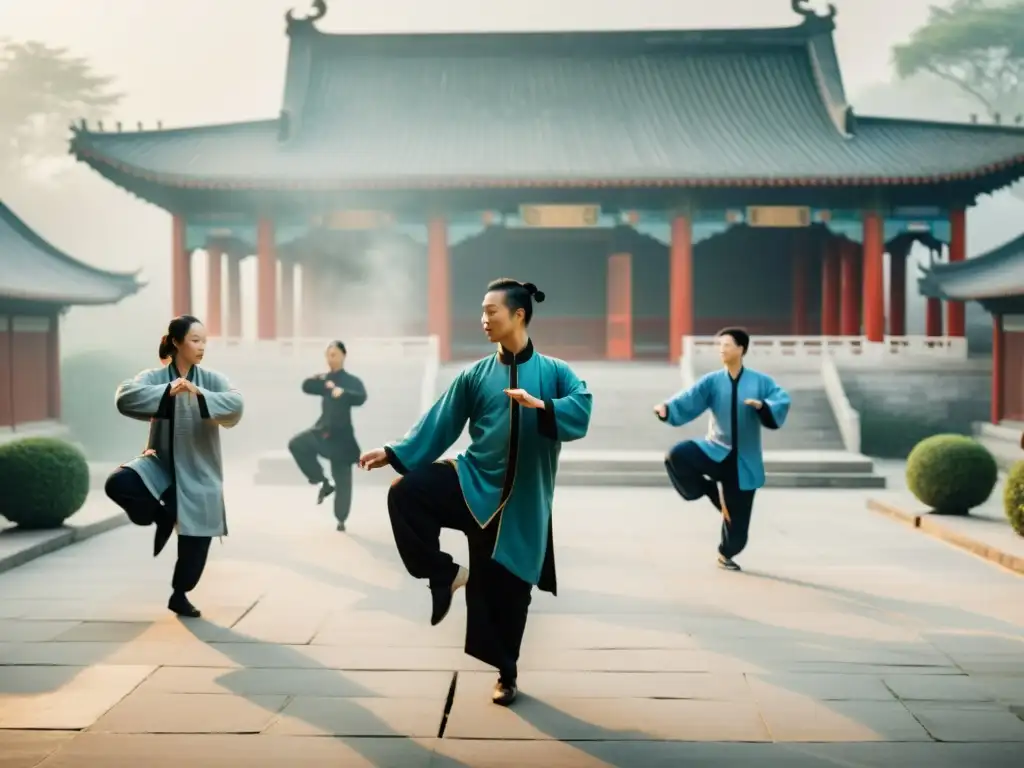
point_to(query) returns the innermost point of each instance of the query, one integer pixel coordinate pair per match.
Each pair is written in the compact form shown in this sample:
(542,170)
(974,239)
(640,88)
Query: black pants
(420,504)
(126,489)
(694,476)
(307,448)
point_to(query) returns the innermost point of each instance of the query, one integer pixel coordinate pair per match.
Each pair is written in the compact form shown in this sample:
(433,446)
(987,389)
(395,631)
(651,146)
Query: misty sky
(201,61)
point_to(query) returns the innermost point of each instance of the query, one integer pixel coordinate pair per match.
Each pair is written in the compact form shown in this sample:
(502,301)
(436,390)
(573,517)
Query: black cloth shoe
(341,527)
(728,564)
(441,595)
(504,693)
(180,605)
(326,489)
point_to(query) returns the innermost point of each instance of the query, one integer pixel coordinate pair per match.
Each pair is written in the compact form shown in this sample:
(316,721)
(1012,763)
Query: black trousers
(306,448)
(694,475)
(126,489)
(420,504)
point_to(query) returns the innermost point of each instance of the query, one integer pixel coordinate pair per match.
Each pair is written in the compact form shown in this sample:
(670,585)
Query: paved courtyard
(849,640)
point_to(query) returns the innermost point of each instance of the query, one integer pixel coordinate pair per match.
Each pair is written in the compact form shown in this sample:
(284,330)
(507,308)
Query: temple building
(37,285)
(996,281)
(655,184)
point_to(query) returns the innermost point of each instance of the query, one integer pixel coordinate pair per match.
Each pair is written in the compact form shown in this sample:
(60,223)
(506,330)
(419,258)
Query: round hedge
(44,481)
(951,473)
(1013,497)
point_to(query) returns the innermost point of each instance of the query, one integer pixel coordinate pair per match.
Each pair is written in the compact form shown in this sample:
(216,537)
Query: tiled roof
(629,109)
(33,270)
(995,274)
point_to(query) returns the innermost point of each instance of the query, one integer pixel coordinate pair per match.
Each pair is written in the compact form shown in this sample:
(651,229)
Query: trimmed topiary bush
(1013,497)
(952,474)
(44,481)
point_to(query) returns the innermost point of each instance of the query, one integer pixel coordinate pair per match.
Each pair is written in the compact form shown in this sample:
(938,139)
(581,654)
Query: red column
(181,269)
(266,281)
(53,367)
(955,317)
(619,332)
(309,313)
(874,277)
(287,319)
(933,317)
(898,292)
(439,309)
(998,368)
(234,297)
(830,290)
(214,291)
(798,306)
(849,309)
(680,290)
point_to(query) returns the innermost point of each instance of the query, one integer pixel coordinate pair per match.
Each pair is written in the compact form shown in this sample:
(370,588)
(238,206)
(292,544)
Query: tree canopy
(978,46)
(43,90)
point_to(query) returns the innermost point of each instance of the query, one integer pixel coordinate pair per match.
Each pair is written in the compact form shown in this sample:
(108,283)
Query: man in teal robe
(741,401)
(520,406)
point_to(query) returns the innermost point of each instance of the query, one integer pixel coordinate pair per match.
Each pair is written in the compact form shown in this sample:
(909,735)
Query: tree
(978,46)
(43,90)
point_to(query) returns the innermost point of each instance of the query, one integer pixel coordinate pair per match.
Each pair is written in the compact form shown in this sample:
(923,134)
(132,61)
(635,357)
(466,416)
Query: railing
(851,347)
(846,417)
(687,371)
(429,390)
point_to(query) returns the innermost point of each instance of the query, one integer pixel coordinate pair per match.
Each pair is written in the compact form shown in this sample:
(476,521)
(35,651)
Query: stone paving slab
(871,633)
(98,515)
(985,532)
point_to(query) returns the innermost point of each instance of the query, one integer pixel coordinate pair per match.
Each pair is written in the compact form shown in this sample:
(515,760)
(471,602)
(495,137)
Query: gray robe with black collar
(185,434)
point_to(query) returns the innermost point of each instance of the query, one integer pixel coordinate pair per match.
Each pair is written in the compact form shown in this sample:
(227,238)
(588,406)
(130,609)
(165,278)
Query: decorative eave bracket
(800,7)
(306,23)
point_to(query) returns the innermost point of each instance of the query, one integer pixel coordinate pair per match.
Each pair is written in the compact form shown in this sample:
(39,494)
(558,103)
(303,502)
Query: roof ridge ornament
(317,12)
(800,7)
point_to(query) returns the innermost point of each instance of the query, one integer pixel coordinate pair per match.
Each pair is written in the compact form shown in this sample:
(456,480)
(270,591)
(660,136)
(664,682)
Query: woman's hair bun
(531,289)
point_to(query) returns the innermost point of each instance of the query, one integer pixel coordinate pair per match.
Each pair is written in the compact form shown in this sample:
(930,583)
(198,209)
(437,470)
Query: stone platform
(1002,441)
(642,469)
(871,646)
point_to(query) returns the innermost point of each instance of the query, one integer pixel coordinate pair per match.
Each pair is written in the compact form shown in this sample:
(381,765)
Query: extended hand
(337,392)
(661,411)
(329,384)
(374,459)
(149,452)
(524,398)
(754,404)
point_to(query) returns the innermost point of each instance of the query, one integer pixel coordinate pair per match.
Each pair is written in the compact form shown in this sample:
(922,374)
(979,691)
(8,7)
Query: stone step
(1002,441)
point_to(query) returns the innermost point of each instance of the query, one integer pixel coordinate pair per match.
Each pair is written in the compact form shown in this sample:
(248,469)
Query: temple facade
(654,184)
(38,283)
(995,280)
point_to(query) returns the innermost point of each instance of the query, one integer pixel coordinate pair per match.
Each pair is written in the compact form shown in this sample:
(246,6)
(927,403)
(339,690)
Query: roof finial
(318,11)
(800,7)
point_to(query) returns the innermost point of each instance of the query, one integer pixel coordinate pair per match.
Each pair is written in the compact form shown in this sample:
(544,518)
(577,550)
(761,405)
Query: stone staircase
(1002,441)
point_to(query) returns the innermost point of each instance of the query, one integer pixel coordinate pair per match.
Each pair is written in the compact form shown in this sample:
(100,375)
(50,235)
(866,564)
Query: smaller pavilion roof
(999,273)
(31,269)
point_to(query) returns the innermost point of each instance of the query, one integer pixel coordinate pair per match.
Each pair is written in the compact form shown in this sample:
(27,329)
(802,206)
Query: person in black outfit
(332,436)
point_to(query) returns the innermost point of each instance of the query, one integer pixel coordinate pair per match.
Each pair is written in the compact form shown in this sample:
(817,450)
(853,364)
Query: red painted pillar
(619,330)
(439,306)
(798,306)
(874,277)
(955,310)
(214,291)
(680,286)
(998,368)
(287,319)
(933,317)
(830,281)
(849,309)
(898,292)
(181,269)
(53,367)
(266,281)
(234,297)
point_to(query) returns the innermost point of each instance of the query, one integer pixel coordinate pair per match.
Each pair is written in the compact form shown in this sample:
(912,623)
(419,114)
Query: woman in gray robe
(178,482)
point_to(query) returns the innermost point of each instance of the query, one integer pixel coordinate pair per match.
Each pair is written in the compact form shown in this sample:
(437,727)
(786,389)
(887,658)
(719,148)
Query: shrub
(44,481)
(951,473)
(1013,497)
